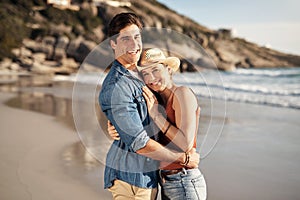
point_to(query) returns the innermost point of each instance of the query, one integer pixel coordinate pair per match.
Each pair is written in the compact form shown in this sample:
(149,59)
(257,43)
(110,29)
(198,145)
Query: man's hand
(112,131)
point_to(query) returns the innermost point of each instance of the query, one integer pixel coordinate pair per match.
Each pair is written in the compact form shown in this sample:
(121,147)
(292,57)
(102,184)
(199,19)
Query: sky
(272,23)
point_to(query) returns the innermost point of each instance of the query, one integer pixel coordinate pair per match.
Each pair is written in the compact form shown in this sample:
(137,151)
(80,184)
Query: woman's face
(157,77)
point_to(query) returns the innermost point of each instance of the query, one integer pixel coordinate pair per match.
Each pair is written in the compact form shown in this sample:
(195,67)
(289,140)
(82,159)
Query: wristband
(187,159)
(167,128)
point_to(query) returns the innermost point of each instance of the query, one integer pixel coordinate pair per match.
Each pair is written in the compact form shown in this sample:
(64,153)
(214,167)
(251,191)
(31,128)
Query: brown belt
(170,172)
(164,174)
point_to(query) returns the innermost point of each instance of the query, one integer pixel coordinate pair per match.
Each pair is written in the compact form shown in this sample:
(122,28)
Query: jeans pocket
(200,186)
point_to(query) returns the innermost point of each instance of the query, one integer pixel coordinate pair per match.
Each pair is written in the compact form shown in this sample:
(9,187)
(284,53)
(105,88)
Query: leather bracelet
(187,159)
(167,128)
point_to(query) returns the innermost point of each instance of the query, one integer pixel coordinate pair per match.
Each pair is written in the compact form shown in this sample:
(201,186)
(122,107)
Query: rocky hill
(44,38)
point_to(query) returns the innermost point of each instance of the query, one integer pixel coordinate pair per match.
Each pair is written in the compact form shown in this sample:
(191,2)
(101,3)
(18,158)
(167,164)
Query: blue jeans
(189,184)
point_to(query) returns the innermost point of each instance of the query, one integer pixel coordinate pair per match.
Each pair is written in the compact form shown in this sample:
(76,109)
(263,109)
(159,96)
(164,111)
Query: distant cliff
(43,38)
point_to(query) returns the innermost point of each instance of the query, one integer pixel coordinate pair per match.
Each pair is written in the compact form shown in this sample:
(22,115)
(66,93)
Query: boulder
(99,34)
(59,54)
(70,63)
(85,47)
(22,51)
(25,62)
(73,46)
(39,57)
(91,7)
(48,50)
(37,47)
(83,50)
(49,40)
(62,42)
(40,68)
(226,66)
(15,67)
(59,29)
(5,63)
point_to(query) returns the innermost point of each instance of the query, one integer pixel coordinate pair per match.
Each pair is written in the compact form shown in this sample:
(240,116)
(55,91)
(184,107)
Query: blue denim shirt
(122,101)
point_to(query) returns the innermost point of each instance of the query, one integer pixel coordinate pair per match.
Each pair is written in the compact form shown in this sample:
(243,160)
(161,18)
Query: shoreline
(257,151)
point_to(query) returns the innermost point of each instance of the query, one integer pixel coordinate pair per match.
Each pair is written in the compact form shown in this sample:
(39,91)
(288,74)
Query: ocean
(274,87)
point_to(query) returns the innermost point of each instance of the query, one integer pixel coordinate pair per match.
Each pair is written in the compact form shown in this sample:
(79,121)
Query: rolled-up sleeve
(118,104)
(140,141)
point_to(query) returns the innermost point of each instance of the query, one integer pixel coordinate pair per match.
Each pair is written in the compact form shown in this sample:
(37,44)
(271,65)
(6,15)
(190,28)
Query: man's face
(128,46)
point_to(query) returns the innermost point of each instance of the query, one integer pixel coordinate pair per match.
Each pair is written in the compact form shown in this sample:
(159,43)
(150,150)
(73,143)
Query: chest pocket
(141,105)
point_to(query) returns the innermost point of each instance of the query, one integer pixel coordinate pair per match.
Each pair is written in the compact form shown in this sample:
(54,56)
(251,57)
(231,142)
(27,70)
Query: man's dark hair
(122,20)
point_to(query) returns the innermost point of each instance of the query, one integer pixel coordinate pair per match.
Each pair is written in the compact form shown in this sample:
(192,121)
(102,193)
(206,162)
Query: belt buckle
(162,176)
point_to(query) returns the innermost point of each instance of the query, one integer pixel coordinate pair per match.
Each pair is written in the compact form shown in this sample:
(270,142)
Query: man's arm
(159,152)
(156,151)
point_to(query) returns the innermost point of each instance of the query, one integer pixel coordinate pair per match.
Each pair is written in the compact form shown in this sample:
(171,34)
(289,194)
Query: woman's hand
(152,102)
(112,131)
(194,159)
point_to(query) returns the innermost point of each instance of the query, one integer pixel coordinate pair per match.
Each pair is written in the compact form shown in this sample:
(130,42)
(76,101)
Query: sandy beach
(256,157)
(42,158)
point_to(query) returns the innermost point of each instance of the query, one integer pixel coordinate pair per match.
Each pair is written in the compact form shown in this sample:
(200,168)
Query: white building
(59,2)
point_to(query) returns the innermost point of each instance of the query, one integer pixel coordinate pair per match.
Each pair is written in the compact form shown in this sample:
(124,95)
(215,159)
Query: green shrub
(58,16)
(88,20)
(12,31)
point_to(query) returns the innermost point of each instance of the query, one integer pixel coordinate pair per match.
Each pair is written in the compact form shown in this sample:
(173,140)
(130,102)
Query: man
(131,166)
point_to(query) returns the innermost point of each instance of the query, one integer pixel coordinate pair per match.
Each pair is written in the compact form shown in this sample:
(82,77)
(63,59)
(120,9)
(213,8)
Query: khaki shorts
(124,191)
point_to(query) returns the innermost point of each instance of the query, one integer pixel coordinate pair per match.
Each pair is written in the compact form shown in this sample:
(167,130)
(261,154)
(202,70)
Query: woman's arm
(185,106)
(186,114)
(179,137)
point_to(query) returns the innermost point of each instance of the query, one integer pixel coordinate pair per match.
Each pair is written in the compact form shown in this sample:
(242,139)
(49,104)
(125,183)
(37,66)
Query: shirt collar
(120,68)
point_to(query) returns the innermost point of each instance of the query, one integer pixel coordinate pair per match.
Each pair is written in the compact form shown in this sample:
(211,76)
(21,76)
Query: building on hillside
(59,2)
(224,33)
(112,3)
(63,4)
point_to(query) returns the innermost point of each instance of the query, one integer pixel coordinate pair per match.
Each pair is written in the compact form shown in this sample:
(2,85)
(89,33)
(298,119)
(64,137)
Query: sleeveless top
(166,141)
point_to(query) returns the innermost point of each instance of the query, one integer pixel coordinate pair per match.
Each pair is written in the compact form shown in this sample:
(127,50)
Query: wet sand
(44,159)
(256,157)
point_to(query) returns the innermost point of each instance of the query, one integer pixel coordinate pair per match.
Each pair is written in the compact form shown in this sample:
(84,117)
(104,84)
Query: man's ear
(113,44)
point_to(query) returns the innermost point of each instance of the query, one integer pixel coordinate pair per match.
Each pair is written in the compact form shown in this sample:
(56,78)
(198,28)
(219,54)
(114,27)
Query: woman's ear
(113,44)
(170,70)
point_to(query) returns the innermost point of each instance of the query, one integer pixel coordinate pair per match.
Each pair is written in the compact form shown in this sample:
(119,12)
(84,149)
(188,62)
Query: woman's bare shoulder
(184,96)
(183,91)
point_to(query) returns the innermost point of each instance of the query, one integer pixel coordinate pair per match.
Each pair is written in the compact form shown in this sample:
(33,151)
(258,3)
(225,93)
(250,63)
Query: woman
(178,128)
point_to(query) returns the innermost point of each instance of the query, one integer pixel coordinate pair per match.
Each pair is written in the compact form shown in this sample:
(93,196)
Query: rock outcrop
(59,46)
